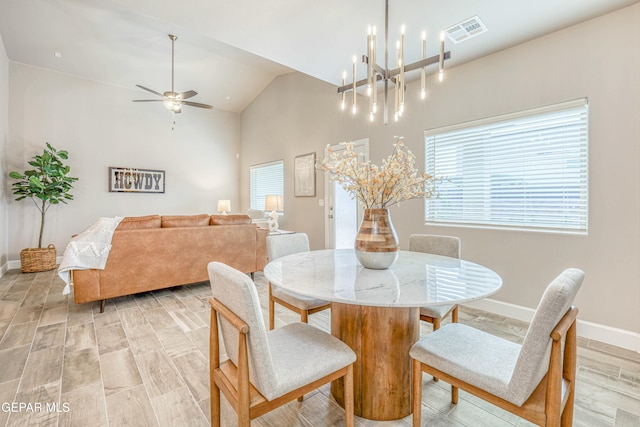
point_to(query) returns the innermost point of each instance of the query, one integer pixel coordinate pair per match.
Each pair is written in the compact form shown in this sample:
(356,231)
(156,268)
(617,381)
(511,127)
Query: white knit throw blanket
(89,249)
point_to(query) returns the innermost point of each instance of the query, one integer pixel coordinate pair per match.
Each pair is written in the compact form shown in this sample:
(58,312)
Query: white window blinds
(266,178)
(524,170)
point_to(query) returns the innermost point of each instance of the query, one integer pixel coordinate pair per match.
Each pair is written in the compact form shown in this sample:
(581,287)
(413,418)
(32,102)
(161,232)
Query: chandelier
(394,76)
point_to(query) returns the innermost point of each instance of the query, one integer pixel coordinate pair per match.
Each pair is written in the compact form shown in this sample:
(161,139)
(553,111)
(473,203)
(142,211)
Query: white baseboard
(16,265)
(4,269)
(12,265)
(595,331)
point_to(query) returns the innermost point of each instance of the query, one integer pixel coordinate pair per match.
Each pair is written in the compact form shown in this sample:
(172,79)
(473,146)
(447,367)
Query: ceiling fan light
(172,105)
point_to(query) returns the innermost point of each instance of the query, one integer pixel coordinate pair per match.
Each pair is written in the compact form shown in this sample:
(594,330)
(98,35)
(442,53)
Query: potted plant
(46,184)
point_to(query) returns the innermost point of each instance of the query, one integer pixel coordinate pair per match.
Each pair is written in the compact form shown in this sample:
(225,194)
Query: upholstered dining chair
(277,247)
(535,380)
(437,245)
(266,369)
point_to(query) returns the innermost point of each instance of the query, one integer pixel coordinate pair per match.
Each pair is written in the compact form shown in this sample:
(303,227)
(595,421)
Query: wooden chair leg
(454,395)
(454,314)
(215,405)
(416,405)
(271,310)
(102,301)
(436,324)
(567,415)
(348,397)
(569,373)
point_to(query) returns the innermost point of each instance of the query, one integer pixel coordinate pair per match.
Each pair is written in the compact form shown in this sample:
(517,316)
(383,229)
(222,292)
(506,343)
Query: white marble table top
(416,280)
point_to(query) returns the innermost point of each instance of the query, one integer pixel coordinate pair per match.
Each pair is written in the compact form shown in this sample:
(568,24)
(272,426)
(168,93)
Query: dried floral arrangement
(378,187)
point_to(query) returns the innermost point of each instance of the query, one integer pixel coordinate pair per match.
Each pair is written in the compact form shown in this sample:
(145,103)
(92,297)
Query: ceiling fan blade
(197,104)
(150,90)
(188,94)
(147,100)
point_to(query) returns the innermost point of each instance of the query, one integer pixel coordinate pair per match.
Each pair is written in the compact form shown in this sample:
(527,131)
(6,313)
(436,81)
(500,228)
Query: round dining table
(377,313)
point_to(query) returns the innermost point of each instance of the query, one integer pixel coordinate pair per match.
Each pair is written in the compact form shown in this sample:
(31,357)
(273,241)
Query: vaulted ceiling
(229,51)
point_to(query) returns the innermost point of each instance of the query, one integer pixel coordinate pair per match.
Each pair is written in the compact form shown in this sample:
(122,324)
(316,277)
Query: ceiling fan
(172,100)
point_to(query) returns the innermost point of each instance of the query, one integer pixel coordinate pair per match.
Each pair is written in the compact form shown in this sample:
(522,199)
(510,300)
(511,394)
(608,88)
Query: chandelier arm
(363,82)
(419,64)
(380,73)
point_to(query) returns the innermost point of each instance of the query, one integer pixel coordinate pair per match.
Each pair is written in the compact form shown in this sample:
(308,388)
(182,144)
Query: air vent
(465,30)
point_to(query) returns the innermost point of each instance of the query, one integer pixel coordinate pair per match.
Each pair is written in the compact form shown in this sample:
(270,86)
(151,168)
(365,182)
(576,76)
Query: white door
(343,213)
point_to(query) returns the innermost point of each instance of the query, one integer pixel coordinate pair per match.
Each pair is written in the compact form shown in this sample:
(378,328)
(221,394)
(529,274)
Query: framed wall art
(134,180)
(304,180)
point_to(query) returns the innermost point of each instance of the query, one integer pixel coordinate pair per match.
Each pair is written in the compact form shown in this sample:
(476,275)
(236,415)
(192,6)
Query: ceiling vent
(465,30)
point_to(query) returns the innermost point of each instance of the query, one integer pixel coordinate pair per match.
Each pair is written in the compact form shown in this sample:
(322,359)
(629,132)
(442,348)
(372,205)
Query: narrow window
(266,179)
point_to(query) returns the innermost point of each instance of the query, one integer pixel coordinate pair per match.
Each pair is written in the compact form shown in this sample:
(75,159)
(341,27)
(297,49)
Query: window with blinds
(523,170)
(266,178)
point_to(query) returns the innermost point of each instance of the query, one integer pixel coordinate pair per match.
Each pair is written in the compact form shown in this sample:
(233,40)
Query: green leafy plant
(47,184)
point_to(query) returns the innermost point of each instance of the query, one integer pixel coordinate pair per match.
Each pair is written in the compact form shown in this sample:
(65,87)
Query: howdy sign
(129,180)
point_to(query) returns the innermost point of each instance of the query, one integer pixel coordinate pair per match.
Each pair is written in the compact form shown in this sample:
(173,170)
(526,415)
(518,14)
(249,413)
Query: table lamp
(273,203)
(224,206)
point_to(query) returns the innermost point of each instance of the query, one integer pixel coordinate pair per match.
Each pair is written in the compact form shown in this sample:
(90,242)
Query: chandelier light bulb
(374,108)
(354,110)
(371,116)
(441,75)
(423,94)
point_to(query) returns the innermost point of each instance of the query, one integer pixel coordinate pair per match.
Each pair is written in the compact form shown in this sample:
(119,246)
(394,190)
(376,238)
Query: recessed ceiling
(229,51)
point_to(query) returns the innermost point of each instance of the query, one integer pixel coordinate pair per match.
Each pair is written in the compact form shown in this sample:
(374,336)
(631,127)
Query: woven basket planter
(34,260)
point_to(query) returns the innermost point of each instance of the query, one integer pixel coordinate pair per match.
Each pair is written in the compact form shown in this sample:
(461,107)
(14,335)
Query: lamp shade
(224,205)
(273,203)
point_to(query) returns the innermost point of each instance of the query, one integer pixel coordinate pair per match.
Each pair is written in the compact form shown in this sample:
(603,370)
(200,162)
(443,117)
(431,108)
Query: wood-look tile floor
(144,361)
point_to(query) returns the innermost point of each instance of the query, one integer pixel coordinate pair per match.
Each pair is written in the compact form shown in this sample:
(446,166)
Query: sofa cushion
(201,220)
(139,222)
(229,219)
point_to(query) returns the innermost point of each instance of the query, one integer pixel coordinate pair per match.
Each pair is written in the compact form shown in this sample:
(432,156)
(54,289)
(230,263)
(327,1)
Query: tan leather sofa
(156,252)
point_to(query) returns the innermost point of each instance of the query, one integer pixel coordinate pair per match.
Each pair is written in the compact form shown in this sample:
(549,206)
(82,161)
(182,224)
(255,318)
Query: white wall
(100,127)
(294,115)
(4,135)
(598,59)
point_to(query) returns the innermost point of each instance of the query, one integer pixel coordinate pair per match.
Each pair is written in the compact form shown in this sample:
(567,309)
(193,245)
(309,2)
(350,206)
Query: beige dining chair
(437,245)
(277,247)
(266,369)
(535,380)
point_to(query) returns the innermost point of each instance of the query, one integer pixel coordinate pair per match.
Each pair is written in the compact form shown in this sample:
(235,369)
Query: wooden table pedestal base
(381,337)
